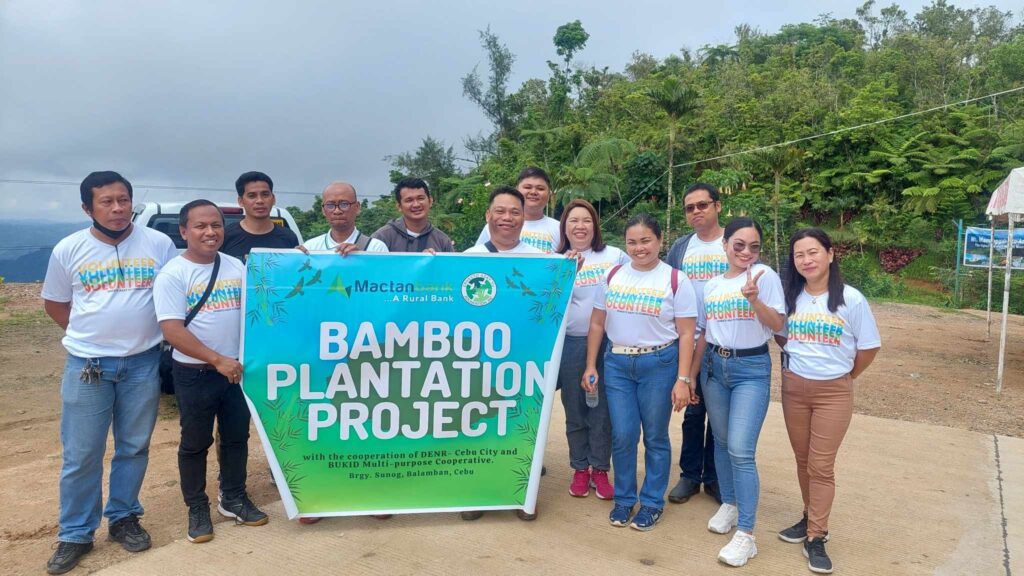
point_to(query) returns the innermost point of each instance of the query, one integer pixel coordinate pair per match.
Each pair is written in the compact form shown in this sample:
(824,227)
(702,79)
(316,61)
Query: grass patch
(18,319)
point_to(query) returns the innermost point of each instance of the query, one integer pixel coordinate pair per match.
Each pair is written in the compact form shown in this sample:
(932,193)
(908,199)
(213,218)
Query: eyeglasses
(697,206)
(752,248)
(343,205)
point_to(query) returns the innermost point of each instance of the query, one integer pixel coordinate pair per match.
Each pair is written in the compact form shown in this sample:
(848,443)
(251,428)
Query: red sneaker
(602,487)
(580,486)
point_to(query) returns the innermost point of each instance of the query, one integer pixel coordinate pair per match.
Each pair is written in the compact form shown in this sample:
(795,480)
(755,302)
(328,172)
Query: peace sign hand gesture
(749,289)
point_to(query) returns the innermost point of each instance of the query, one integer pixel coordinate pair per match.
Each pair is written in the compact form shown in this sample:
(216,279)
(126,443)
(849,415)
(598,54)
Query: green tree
(677,100)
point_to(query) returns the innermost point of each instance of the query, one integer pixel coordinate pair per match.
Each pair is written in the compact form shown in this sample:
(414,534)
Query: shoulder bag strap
(206,295)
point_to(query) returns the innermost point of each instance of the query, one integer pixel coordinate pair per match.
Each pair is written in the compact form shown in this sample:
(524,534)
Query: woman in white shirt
(742,308)
(831,338)
(587,429)
(647,309)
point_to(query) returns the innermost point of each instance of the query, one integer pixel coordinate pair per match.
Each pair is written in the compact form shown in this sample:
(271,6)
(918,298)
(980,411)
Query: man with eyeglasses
(341,208)
(701,256)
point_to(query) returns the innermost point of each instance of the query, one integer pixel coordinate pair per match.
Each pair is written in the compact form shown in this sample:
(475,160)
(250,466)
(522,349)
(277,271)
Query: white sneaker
(740,549)
(724,520)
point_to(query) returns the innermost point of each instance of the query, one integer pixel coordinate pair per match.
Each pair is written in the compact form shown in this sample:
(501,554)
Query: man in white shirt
(341,209)
(701,256)
(504,223)
(99,289)
(539,231)
(206,368)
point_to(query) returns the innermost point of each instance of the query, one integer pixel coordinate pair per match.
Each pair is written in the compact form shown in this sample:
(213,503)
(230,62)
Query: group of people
(643,337)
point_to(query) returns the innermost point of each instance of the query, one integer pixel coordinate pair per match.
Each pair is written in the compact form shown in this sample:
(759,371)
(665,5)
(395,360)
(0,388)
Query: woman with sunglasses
(742,308)
(831,338)
(587,428)
(648,310)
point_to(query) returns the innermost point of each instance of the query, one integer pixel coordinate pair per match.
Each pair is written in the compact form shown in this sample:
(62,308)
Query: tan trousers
(818,413)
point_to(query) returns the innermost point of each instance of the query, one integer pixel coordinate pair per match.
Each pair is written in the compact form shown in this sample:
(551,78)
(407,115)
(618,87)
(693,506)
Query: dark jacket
(397,238)
(674,258)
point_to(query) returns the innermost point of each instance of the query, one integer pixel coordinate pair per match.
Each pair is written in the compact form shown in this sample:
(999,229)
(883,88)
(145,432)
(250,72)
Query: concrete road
(911,499)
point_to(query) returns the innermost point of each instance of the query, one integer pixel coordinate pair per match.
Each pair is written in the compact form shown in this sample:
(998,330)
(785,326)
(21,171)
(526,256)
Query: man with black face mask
(99,289)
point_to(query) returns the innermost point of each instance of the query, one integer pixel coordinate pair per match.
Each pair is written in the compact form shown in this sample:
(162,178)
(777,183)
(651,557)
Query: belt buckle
(723,352)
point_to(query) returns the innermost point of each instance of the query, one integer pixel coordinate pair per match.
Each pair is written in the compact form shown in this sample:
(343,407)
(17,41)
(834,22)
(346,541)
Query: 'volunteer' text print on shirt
(703,267)
(645,301)
(729,306)
(815,328)
(539,240)
(226,295)
(127,274)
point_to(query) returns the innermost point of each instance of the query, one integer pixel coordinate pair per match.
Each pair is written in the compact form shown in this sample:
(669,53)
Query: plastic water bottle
(592,397)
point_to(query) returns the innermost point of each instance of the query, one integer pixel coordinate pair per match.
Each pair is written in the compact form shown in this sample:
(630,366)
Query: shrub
(863,273)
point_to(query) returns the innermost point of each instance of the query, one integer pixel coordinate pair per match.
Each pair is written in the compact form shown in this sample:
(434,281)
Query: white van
(163,216)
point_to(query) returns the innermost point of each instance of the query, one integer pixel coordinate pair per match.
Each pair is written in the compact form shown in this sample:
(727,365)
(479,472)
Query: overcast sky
(194,93)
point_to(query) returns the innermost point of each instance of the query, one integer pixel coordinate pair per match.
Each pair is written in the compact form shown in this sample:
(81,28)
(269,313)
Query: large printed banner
(385,383)
(976,247)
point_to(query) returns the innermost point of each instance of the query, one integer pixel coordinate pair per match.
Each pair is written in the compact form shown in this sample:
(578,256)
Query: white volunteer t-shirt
(110,290)
(542,234)
(641,309)
(702,262)
(822,345)
(587,286)
(324,242)
(521,248)
(181,284)
(728,319)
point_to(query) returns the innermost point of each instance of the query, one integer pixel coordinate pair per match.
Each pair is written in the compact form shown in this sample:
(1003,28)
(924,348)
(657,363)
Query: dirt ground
(936,366)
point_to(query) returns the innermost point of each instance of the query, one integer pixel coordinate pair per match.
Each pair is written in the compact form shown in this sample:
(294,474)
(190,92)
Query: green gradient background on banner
(289,294)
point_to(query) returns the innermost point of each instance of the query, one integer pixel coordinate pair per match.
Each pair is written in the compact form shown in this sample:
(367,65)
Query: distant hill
(25,246)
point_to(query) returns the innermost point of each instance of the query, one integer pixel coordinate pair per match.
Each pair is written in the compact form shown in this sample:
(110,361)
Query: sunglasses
(752,248)
(697,206)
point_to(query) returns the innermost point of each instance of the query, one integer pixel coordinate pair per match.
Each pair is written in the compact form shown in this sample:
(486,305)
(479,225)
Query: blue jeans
(697,456)
(639,390)
(736,391)
(127,394)
(588,430)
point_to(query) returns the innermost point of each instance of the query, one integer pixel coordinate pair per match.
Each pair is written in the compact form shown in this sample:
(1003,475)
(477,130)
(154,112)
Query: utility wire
(849,128)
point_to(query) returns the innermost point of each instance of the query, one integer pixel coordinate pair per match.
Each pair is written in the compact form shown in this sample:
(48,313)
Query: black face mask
(112,234)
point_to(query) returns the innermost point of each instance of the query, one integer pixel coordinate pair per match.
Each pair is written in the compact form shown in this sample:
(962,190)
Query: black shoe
(543,470)
(200,527)
(243,511)
(711,489)
(817,560)
(67,556)
(470,515)
(683,491)
(132,536)
(525,516)
(796,533)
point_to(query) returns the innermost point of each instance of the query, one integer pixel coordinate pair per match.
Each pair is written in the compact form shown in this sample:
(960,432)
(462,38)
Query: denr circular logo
(479,289)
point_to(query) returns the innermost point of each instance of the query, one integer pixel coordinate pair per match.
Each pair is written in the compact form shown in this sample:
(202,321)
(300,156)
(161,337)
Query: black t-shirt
(238,242)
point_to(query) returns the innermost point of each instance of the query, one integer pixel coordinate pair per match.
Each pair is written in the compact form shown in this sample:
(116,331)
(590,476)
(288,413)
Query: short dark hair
(794,282)
(597,244)
(740,223)
(411,184)
(249,178)
(533,172)
(645,220)
(709,188)
(183,213)
(99,180)
(506,190)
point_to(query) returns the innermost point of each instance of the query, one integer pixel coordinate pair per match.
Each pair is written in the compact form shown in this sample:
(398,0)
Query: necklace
(814,298)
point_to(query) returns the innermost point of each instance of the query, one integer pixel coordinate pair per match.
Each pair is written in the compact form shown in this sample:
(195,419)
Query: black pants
(203,396)
(697,456)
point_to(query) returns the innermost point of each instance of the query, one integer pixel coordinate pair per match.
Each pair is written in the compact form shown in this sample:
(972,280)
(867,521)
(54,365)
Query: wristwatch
(685,380)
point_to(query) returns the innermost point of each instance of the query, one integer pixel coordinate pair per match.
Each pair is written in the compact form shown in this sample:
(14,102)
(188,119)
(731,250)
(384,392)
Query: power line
(850,128)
